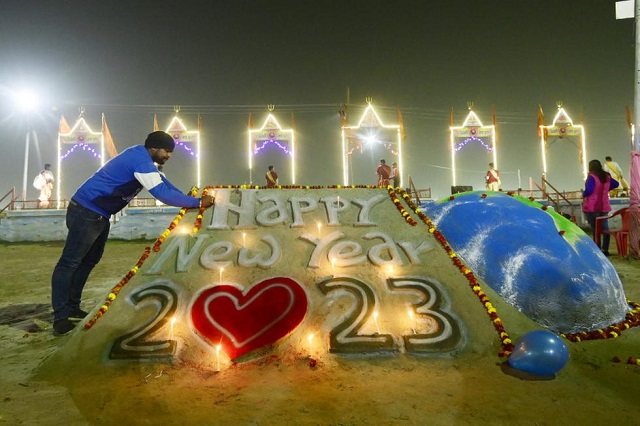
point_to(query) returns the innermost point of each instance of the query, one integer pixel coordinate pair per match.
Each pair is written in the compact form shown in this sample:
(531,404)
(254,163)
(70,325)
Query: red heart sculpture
(245,321)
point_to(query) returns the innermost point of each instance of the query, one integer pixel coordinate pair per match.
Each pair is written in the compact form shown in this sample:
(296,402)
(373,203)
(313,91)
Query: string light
(85,147)
(473,139)
(282,147)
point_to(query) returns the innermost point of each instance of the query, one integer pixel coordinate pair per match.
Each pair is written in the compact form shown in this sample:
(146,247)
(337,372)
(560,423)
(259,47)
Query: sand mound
(299,303)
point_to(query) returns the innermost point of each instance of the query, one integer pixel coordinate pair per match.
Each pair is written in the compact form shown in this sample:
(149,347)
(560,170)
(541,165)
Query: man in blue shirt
(105,193)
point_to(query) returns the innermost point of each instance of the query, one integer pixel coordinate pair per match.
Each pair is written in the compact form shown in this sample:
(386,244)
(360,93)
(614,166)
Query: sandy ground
(476,387)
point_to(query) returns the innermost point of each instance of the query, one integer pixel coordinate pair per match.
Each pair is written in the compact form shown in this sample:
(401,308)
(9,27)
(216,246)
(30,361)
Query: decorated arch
(472,131)
(561,129)
(77,140)
(371,132)
(271,136)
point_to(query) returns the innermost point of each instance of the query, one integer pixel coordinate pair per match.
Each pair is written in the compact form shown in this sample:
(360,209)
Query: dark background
(224,60)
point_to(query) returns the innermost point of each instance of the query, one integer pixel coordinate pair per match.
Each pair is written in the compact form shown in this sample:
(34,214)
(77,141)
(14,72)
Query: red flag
(111,148)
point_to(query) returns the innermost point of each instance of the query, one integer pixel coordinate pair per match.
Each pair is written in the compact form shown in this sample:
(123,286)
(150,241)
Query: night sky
(224,60)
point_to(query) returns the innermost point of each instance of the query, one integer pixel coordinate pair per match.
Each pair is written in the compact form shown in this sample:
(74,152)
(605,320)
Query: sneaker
(63,326)
(78,314)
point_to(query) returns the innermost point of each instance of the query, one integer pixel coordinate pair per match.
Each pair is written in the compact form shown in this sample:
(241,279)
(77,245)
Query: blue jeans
(591,219)
(88,233)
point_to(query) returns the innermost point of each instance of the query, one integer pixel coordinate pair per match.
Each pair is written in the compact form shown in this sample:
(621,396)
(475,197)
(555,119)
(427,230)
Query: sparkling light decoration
(79,137)
(563,127)
(83,147)
(271,133)
(264,144)
(473,139)
(472,130)
(371,120)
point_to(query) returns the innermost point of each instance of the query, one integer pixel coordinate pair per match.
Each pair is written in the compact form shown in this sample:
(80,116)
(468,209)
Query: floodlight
(27,100)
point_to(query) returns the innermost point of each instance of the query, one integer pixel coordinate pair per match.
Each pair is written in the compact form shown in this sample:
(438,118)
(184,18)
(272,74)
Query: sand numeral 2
(134,345)
(344,337)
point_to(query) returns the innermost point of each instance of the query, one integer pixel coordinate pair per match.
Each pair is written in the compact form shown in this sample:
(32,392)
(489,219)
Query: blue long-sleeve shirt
(116,183)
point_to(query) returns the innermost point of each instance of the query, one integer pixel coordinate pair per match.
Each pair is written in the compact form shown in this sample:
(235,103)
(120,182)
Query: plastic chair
(621,234)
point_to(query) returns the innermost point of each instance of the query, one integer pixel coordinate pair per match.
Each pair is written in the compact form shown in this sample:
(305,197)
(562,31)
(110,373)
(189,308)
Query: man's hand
(207,201)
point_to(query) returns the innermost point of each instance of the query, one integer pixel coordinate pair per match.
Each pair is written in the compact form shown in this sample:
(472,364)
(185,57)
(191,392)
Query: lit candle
(338,202)
(389,271)
(319,230)
(221,270)
(375,319)
(218,347)
(184,230)
(310,344)
(244,239)
(413,321)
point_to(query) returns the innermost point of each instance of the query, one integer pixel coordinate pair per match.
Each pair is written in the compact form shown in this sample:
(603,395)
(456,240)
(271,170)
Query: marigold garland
(113,294)
(632,318)
(405,214)
(198,223)
(507,344)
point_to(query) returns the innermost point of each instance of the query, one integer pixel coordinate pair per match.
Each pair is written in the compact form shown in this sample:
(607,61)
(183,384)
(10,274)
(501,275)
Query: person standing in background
(492,179)
(614,169)
(383,171)
(272,178)
(595,200)
(44,183)
(395,175)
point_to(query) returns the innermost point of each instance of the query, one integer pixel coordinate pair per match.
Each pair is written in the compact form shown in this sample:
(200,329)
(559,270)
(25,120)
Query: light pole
(26,165)
(28,102)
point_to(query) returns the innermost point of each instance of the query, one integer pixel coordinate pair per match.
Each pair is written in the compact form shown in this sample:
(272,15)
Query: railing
(416,194)
(11,193)
(35,205)
(15,204)
(145,202)
(567,196)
